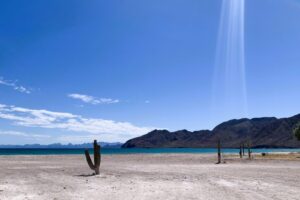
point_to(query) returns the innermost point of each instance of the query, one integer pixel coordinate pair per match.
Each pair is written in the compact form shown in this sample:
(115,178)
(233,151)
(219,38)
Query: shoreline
(132,151)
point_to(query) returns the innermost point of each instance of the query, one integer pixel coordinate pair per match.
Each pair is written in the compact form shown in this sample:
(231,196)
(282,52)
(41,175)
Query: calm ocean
(131,151)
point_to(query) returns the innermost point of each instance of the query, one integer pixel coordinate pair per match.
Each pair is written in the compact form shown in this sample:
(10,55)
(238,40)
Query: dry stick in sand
(97,158)
(219,151)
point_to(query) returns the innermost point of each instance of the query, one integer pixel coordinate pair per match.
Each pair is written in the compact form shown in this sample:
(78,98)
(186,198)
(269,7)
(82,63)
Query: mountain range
(268,132)
(64,146)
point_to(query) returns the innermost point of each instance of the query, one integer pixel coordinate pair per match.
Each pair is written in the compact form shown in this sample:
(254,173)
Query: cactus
(97,158)
(219,151)
(297,131)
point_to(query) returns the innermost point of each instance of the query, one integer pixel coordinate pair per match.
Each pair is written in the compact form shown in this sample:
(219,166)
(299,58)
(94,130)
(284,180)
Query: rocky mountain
(261,132)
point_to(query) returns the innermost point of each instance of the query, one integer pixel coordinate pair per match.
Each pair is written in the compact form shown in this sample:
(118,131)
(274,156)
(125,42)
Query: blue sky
(76,70)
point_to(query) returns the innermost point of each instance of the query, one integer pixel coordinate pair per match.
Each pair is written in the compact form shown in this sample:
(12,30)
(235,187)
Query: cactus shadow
(86,175)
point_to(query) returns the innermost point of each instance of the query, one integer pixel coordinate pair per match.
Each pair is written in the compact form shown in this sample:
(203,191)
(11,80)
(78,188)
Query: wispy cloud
(112,130)
(93,100)
(147,101)
(15,86)
(22,134)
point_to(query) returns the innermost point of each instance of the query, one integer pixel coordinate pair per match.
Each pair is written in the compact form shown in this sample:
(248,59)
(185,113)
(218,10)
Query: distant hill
(262,132)
(63,146)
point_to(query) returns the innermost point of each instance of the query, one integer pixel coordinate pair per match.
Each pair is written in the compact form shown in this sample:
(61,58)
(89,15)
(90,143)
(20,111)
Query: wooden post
(249,151)
(243,149)
(219,151)
(241,155)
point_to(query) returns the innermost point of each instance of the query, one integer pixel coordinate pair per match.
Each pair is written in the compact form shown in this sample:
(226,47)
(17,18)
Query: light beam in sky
(229,84)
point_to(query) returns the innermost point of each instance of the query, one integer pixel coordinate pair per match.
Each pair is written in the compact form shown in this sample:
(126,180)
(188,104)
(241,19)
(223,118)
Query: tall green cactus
(97,158)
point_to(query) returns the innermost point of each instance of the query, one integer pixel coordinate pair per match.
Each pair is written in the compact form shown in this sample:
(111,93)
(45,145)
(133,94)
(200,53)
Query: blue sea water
(132,151)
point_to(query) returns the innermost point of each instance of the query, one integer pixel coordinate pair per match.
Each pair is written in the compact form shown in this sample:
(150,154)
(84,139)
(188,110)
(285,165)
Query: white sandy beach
(147,176)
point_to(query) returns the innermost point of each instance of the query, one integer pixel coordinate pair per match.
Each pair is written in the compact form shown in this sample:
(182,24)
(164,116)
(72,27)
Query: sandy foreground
(148,176)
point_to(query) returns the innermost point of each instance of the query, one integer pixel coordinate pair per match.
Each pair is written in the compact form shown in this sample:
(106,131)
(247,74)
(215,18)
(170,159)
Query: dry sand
(148,176)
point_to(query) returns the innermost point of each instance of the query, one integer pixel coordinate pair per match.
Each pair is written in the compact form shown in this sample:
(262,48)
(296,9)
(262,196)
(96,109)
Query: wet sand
(148,176)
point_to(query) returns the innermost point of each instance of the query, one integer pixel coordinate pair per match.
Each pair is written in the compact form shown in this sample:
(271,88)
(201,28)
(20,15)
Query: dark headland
(267,132)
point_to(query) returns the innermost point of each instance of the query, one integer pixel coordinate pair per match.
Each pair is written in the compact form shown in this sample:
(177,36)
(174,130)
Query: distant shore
(76,151)
(151,176)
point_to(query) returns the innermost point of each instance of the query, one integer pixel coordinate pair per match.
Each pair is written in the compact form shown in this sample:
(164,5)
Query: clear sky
(75,70)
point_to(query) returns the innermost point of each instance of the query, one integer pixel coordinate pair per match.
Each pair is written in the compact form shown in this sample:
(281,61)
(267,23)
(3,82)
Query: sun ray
(229,84)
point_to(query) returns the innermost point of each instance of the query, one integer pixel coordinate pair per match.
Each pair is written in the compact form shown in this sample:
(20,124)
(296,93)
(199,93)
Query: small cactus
(97,158)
